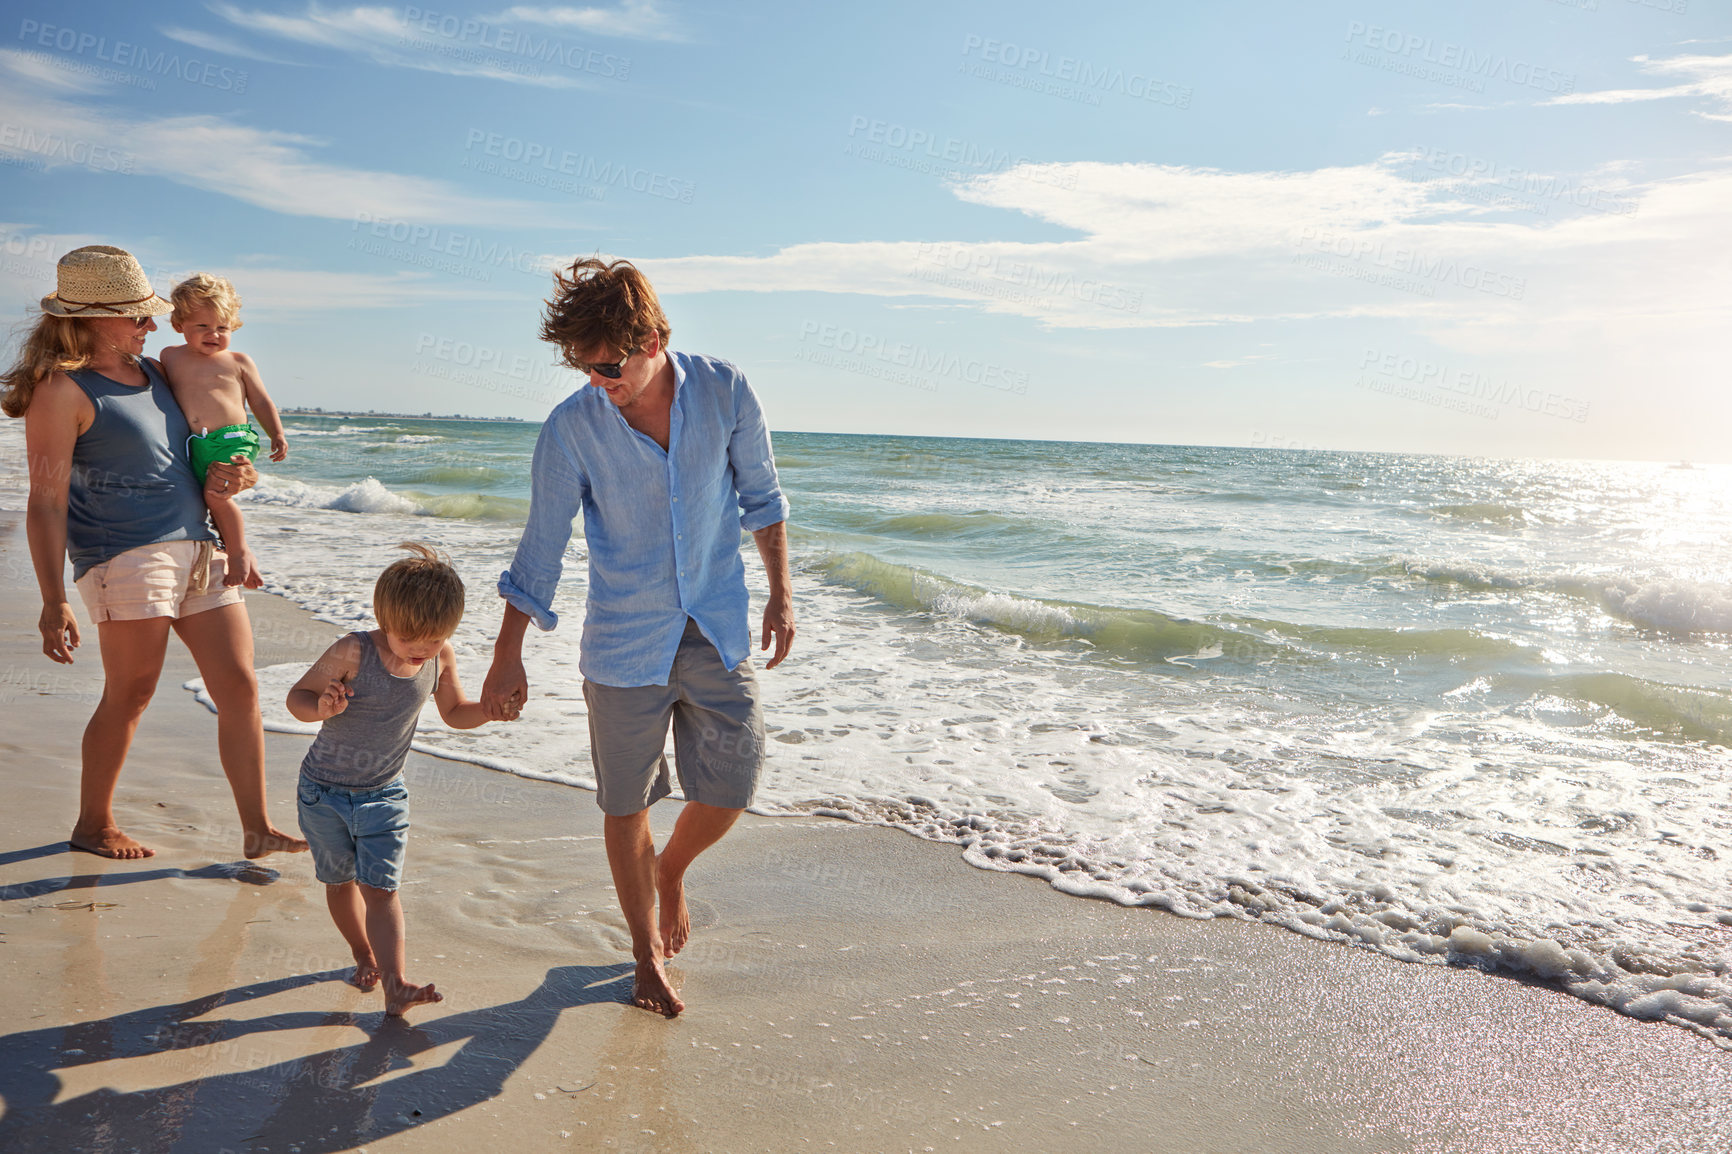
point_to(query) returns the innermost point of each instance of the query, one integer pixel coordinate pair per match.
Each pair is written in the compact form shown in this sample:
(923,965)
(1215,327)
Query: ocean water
(1449,709)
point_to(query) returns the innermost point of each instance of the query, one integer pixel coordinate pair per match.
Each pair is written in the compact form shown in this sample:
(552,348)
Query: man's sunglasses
(610,371)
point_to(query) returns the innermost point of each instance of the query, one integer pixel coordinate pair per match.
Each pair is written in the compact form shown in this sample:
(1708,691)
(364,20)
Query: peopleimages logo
(1411,262)
(1402,369)
(1444,54)
(442,242)
(163,62)
(58,149)
(1474,172)
(1071,70)
(922,150)
(917,364)
(551,159)
(461,32)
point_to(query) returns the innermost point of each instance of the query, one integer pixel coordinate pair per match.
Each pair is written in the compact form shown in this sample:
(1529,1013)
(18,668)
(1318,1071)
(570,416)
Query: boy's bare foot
(108,841)
(676,920)
(365,977)
(400,995)
(259,843)
(650,990)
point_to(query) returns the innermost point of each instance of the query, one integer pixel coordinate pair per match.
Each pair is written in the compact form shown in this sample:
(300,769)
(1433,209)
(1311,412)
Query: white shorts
(168,579)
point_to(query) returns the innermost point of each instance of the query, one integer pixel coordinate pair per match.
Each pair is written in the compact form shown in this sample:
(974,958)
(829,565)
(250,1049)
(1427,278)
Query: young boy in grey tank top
(368,690)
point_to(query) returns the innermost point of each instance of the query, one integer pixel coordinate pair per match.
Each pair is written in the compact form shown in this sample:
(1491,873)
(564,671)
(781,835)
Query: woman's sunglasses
(610,371)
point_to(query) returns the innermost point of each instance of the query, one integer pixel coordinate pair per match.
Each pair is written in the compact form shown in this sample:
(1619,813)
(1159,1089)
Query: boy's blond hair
(203,288)
(419,598)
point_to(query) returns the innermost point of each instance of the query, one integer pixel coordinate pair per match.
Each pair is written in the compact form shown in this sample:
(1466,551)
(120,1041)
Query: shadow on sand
(333,1100)
(240,871)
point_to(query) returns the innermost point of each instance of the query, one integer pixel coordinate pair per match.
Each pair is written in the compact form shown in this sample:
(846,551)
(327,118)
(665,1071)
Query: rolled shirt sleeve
(761,501)
(557,489)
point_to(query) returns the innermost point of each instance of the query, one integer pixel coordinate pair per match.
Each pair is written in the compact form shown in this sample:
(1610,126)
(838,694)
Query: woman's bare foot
(651,990)
(260,843)
(400,995)
(366,975)
(108,841)
(676,920)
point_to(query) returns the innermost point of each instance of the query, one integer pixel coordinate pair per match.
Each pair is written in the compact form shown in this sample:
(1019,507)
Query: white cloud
(211,42)
(466,47)
(633,19)
(1163,246)
(318,290)
(1158,246)
(1708,76)
(27,274)
(273,170)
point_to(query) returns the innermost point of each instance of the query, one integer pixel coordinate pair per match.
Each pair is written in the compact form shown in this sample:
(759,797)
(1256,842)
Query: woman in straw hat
(110,485)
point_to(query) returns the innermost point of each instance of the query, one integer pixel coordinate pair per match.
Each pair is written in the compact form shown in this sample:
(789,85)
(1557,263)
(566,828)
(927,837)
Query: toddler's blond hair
(419,598)
(203,288)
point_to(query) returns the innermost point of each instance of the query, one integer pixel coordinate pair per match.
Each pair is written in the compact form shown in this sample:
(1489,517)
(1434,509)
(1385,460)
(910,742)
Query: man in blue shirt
(668,458)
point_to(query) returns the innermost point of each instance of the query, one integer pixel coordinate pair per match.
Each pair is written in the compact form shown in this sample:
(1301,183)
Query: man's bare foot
(650,990)
(676,920)
(108,841)
(259,843)
(400,995)
(366,976)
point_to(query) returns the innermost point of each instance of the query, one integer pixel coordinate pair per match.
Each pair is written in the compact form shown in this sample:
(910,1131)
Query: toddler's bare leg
(385,932)
(350,914)
(243,566)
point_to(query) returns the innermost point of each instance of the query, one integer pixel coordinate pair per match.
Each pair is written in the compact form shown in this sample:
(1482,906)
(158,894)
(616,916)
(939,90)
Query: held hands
(279,448)
(505,691)
(335,699)
(59,630)
(778,623)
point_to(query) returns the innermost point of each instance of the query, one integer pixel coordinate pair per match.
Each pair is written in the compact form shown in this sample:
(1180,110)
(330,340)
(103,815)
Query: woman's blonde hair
(419,598)
(203,288)
(53,345)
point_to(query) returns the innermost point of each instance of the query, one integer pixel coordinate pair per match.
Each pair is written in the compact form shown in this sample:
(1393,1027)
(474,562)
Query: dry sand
(849,988)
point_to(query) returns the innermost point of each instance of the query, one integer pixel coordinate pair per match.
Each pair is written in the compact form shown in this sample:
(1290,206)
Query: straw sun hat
(99,280)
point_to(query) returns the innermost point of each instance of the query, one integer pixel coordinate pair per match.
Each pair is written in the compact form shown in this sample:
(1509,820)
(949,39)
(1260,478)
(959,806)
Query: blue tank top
(364,746)
(131,484)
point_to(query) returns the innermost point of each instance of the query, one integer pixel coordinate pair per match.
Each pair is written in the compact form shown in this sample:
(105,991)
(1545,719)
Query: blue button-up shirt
(663,527)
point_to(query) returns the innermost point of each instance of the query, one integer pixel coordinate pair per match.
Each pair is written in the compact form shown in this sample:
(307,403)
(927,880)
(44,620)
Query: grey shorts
(718,733)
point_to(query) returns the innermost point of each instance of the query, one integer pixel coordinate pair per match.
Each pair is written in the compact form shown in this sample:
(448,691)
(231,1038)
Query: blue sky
(1492,228)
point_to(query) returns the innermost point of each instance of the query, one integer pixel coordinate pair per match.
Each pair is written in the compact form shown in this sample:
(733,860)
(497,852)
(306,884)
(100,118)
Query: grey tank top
(363,747)
(131,484)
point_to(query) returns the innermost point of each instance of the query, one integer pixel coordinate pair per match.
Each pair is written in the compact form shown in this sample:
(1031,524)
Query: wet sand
(848,988)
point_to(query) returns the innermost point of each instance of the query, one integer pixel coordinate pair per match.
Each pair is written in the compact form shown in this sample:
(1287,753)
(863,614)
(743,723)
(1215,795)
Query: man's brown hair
(595,303)
(419,598)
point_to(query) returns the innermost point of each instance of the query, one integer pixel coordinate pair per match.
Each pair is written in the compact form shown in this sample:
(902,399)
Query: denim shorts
(355,834)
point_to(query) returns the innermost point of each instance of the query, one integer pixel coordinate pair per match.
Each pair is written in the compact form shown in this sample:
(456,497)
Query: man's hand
(506,689)
(778,623)
(772,541)
(59,632)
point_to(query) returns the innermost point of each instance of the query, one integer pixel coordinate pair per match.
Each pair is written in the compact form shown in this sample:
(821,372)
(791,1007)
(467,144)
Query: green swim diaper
(220,445)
